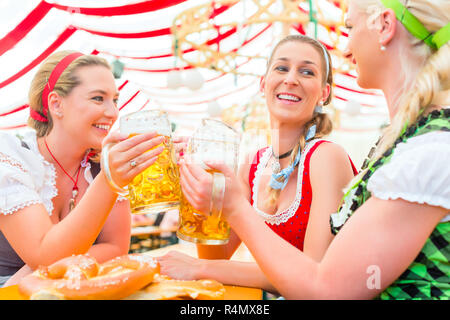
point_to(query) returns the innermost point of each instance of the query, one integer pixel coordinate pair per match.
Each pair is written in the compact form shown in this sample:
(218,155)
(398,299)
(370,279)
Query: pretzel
(80,277)
(164,288)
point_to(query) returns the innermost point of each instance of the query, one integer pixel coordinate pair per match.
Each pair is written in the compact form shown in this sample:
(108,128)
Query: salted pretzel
(80,277)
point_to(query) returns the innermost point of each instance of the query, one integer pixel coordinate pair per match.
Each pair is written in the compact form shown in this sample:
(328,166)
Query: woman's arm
(330,171)
(213,262)
(114,239)
(382,234)
(193,175)
(38,241)
(178,265)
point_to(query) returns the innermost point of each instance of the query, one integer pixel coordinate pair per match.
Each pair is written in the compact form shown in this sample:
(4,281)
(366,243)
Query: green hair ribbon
(416,28)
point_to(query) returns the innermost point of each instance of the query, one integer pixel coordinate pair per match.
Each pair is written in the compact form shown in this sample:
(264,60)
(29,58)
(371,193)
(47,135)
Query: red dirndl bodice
(292,230)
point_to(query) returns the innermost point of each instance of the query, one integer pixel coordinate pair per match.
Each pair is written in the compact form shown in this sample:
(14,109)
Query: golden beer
(198,228)
(213,141)
(157,188)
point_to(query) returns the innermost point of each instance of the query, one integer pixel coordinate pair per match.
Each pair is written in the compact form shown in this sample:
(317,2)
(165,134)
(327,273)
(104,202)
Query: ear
(262,84)
(55,104)
(388,26)
(326,92)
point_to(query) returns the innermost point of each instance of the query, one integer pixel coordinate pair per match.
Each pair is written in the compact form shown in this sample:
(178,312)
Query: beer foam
(146,121)
(212,151)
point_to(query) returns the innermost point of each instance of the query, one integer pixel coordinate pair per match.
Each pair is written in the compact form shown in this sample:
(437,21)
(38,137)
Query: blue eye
(282,68)
(307,72)
(98,98)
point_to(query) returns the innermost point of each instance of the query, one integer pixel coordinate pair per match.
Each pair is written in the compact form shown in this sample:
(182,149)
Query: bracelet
(105,166)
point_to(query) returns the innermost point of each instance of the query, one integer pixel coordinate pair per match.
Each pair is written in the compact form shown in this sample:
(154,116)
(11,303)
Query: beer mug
(214,141)
(157,188)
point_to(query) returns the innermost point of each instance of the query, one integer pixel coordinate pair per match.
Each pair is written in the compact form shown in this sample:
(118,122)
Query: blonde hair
(321,120)
(66,82)
(421,89)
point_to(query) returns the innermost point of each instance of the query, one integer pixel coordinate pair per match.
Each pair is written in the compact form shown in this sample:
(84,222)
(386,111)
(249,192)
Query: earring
(318,108)
(58,114)
(382,48)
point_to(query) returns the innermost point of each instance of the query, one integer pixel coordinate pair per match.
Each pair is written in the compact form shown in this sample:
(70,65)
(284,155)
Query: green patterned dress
(428,277)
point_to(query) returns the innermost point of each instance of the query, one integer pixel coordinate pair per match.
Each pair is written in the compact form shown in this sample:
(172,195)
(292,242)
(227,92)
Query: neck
(407,66)
(67,151)
(284,138)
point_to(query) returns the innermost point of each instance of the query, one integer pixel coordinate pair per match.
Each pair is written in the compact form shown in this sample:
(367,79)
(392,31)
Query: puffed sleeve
(418,171)
(21,175)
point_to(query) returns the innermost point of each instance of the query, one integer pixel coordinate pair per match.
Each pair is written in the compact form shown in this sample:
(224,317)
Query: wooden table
(231,293)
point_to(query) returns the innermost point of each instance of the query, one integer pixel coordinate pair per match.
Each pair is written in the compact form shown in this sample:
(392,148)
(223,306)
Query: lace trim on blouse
(280,217)
(46,189)
(49,190)
(12,162)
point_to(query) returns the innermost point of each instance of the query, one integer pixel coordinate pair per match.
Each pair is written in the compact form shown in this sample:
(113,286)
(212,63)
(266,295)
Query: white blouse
(26,178)
(418,171)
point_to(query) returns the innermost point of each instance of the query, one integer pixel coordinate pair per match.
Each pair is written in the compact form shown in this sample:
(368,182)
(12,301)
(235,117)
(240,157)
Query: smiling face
(363,48)
(90,109)
(293,84)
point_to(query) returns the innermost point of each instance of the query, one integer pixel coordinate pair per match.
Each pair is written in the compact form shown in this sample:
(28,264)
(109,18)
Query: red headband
(54,76)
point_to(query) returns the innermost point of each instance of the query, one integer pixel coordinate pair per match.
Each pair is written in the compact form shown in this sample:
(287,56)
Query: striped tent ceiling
(138,34)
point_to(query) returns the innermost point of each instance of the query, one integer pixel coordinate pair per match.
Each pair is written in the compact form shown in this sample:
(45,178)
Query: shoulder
(329,165)
(328,154)
(418,171)
(9,142)
(420,150)
(14,153)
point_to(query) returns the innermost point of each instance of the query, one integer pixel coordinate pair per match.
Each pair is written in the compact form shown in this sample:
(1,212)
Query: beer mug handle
(105,167)
(218,192)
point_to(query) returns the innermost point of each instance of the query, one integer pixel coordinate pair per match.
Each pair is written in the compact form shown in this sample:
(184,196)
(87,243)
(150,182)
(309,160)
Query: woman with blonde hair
(54,200)
(393,228)
(294,184)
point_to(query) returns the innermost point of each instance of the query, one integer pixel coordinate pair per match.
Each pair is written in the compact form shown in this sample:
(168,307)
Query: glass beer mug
(157,188)
(214,141)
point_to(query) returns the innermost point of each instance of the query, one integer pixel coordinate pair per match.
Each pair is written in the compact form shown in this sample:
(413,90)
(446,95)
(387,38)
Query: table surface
(231,293)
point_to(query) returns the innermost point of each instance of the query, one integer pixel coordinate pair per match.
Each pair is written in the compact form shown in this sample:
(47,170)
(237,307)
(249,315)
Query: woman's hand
(180,266)
(130,156)
(16,277)
(180,145)
(197,183)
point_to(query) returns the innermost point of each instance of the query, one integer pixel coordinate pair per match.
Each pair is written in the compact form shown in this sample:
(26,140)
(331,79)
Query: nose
(347,54)
(111,110)
(291,77)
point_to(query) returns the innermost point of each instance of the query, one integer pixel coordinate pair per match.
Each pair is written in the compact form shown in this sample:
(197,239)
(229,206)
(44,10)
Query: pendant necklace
(276,167)
(75,181)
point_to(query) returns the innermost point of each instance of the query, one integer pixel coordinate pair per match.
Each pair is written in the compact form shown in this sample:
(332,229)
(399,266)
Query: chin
(95,144)
(364,84)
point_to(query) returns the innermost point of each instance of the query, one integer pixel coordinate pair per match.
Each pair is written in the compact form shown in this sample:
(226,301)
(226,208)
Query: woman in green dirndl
(393,226)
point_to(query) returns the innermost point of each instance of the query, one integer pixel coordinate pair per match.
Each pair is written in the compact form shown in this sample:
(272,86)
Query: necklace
(75,181)
(276,164)
(284,155)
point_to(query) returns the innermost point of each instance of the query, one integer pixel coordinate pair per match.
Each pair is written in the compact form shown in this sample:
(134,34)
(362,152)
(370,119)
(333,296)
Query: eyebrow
(102,92)
(304,61)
